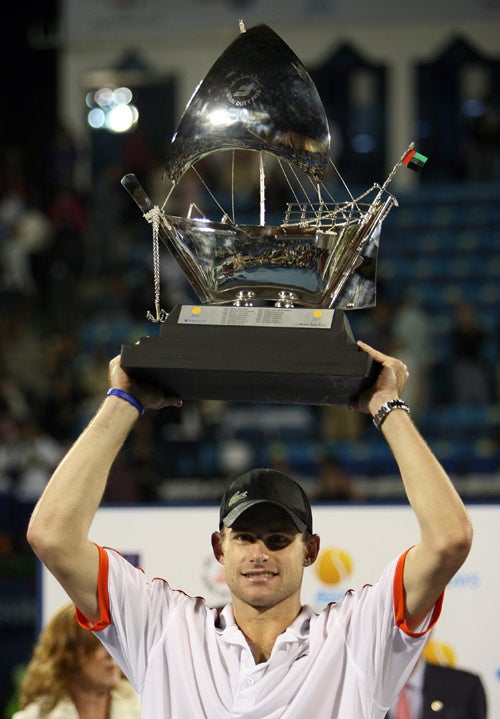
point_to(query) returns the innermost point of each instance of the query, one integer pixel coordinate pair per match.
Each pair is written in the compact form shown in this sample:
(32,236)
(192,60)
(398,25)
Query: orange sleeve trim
(399,601)
(102,597)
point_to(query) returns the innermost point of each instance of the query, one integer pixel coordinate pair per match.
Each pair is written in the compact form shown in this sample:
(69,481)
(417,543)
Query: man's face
(264,557)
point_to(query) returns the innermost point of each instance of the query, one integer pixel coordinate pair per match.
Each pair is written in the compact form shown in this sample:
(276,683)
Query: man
(266,656)
(435,690)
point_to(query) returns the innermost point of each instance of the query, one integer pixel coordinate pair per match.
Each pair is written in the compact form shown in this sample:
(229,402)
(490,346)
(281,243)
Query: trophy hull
(232,362)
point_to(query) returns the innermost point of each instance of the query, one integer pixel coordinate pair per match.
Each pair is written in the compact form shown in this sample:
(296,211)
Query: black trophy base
(253,363)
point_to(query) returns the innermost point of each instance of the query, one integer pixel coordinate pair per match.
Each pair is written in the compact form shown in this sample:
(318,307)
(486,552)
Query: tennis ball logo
(333,565)
(439,653)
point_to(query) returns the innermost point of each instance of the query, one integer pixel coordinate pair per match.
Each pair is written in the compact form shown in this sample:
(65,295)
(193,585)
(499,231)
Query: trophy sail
(257,96)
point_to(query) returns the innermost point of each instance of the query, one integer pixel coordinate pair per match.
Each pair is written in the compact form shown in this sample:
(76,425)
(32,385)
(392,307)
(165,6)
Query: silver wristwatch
(386,409)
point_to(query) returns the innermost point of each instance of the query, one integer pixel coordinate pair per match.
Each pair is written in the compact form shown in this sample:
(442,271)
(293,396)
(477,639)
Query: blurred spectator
(71,676)
(8,437)
(412,342)
(378,329)
(335,483)
(61,273)
(435,690)
(12,400)
(25,233)
(66,390)
(108,206)
(38,455)
(484,150)
(470,381)
(134,477)
(28,457)
(302,467)
(339,423)
(21,351)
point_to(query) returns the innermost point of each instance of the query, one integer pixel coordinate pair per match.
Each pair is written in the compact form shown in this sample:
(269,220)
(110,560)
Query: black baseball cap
(266,486)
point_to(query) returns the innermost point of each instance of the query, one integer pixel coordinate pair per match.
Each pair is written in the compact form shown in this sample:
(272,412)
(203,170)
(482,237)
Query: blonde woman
(72,676)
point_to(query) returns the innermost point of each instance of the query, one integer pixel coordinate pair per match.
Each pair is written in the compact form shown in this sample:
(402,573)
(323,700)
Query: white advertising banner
(356,544)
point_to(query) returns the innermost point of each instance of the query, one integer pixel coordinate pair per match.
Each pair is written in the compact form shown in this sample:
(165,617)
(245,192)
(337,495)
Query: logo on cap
(236,498)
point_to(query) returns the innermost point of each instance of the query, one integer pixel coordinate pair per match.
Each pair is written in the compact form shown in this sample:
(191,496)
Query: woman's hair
(61,650)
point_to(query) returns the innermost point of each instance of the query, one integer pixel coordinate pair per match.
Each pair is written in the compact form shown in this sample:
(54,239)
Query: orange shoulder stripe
(102,597)
(399,601)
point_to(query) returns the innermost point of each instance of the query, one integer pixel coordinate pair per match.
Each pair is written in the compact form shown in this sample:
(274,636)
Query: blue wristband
(127,397)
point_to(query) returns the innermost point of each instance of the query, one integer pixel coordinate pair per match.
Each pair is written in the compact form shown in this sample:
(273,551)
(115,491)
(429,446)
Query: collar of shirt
(297,632)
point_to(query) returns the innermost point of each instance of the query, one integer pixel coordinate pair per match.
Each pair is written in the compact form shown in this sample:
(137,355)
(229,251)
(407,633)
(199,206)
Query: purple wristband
(127,397)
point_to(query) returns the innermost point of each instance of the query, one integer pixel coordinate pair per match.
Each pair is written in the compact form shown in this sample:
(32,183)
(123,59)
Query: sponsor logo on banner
(332,567)
(214,579)
(465,580)
(439,653)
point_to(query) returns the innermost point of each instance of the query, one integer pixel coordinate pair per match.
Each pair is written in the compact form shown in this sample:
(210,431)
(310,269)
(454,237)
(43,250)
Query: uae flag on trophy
(414,160)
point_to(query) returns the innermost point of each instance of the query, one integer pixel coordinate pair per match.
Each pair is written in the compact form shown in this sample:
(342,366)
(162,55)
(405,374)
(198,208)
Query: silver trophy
(271,323)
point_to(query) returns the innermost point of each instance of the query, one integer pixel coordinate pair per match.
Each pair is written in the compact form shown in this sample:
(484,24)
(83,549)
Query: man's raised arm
(58,529)
(445,527)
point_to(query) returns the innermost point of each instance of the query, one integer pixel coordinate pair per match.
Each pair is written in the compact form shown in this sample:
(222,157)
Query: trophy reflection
(271,321)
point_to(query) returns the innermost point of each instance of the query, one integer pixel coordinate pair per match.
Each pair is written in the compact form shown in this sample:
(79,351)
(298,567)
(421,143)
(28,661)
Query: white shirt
(414,692)
(348,662)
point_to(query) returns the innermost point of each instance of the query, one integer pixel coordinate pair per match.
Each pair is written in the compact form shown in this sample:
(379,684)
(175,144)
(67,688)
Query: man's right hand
(148,395)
